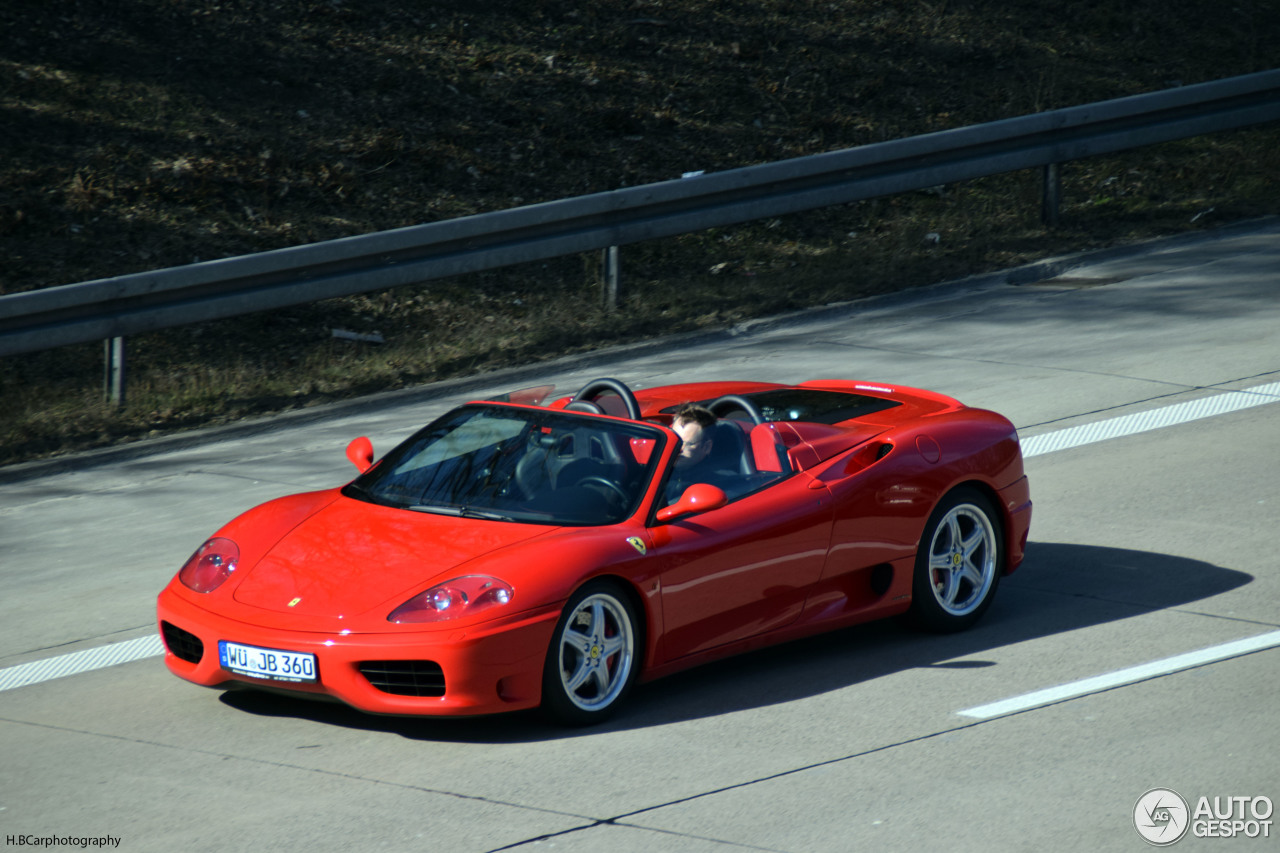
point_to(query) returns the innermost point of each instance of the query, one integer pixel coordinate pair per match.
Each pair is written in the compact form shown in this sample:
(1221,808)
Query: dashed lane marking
(1166,416)
(1121,677)
(74,663)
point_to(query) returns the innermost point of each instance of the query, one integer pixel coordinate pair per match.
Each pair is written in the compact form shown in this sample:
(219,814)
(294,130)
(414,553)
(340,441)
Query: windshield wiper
(460,511)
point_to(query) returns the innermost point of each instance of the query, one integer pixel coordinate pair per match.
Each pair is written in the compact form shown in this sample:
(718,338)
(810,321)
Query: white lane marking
(1228,401)
(1121,677)
(77,662)
(1166,416)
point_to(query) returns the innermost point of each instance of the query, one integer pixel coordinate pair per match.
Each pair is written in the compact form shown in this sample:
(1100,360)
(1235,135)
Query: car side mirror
(699,497)
(360,452)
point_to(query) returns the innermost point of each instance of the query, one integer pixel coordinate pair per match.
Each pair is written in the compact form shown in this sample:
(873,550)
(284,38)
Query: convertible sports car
(515,554)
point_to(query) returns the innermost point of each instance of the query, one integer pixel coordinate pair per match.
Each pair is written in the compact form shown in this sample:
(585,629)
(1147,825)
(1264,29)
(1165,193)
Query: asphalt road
(1144,384)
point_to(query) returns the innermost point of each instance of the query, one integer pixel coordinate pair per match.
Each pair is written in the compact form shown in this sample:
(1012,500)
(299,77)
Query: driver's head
(693,424)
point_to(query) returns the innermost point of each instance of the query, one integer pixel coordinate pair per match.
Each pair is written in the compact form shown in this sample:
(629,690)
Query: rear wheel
(959,562)
(593,658)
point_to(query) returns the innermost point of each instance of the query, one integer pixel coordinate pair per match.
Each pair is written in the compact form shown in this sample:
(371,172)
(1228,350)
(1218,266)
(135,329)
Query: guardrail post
(1049,207)
(612,272)
(113,374)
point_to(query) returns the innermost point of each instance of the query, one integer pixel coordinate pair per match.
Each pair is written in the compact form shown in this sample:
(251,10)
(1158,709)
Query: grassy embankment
(158,132)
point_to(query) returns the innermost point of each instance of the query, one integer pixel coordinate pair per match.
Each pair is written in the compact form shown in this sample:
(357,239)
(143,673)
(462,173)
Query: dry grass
(158,132)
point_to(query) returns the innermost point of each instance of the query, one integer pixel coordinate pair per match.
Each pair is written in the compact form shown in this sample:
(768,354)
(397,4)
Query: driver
(695,425)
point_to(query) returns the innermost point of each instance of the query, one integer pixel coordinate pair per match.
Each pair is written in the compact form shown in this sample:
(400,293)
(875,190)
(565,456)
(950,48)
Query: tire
(593,658)
(959,562)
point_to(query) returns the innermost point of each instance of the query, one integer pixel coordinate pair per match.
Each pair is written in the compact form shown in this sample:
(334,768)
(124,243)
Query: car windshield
(510,463)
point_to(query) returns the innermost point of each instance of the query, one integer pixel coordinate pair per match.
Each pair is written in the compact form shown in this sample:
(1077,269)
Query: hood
(351,557)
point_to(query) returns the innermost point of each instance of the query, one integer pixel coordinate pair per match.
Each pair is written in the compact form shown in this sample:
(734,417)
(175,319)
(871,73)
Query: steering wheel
(598,480)
(596,387)
(734,403)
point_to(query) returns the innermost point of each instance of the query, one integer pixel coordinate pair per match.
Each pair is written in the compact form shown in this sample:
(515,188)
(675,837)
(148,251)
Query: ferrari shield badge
(637,543)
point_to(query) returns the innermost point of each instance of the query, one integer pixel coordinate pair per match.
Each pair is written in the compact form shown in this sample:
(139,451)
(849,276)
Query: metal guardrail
(112,308)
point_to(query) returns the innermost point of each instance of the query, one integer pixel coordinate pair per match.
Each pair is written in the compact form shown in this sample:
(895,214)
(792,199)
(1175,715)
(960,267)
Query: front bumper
(492,667)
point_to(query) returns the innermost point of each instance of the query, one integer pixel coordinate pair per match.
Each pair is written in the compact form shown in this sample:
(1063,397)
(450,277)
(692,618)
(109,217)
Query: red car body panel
(830,545)
(371,558)
(718,587)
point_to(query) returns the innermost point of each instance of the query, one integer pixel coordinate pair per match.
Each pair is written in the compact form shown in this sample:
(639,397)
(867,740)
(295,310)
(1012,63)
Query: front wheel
(592,661)
(959,562)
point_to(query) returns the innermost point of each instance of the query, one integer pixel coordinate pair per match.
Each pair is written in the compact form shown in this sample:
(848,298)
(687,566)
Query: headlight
(210,566)
(464,596)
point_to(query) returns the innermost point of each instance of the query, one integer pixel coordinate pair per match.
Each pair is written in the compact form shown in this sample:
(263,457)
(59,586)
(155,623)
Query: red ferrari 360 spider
(513,553)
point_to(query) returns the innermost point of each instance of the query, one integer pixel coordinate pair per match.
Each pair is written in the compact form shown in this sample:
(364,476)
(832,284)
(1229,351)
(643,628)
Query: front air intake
(182,644)
(405,677)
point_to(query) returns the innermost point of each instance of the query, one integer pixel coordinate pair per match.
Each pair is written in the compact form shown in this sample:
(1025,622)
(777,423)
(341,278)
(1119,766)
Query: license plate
(275,664)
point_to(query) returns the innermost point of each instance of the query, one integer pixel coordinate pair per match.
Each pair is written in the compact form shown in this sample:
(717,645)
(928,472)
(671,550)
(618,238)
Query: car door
(743,569)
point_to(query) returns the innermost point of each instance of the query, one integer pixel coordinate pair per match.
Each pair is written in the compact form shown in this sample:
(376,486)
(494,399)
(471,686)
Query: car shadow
(1060,588)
